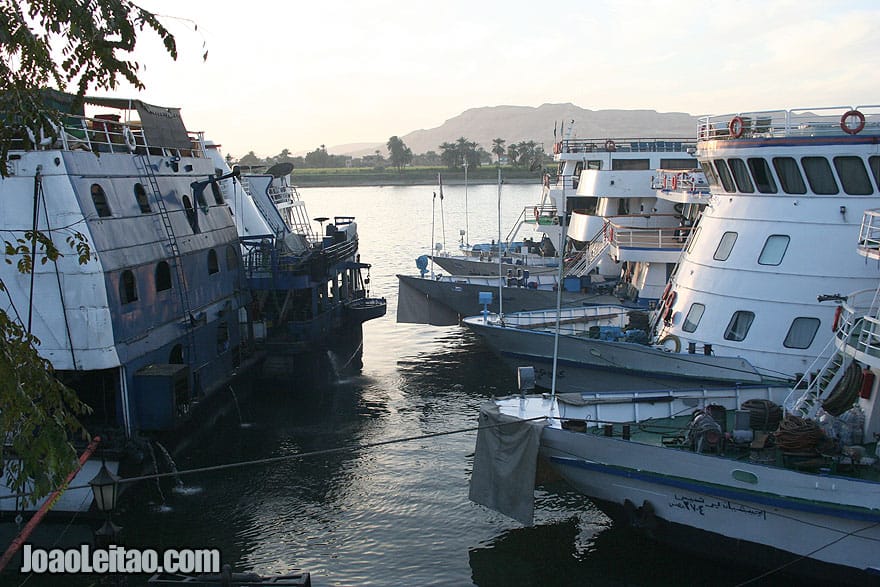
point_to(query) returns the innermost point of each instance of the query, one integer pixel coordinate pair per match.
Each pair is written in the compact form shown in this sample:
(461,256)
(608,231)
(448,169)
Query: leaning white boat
(604,348)
(781,481)
(768,257)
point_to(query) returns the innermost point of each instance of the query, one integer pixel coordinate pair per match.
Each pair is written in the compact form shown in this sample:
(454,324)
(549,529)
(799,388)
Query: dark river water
(380,513)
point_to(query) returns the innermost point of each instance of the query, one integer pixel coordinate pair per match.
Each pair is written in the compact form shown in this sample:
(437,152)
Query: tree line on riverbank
(455,155)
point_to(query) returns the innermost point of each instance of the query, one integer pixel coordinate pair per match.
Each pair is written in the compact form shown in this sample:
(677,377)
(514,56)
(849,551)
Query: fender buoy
(676,343)
(666,291)
(837,312)
(736,127)
(537,214)
(557,148)
(674,182)
(852,130)
(610,146)
(128,137)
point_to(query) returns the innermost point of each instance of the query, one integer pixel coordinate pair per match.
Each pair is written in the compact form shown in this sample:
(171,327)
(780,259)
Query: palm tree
(498,148)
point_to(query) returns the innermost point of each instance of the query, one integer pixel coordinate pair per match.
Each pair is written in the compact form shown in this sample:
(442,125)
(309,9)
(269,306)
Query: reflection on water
(353,509)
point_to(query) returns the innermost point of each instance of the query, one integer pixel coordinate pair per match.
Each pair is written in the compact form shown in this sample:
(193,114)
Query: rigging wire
(297,456)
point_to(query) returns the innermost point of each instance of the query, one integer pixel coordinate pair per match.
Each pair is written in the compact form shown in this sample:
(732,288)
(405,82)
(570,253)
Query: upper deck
(832,121)
(116,126)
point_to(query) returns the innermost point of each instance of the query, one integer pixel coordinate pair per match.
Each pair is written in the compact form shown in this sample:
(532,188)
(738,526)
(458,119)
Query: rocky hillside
(518,123)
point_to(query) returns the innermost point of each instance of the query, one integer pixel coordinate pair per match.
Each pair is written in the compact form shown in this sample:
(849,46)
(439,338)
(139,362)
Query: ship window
(231,258)
(99,198)
(140,194)
(218,195)
(576,175)
(694,236)
(593,164)
(789,175)
(725,246)
(724,174)
(819,175)
(630,164)
(739,325)
(175,357)
(853,176)
(213,265)
(163,276)
(763,178)
(678,163)
(741,176)
(127,287)
(710,174)
(694,315)
(874,164)
(801,333)
(774,249)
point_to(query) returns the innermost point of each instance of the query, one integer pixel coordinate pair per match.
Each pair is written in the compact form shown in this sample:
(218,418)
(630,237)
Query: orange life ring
(610,146)
(557,148)
(666,291)
(736,127)
(837,312)
(537,214)
(858,127)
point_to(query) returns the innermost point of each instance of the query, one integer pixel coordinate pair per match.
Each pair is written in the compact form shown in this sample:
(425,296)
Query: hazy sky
(300,74)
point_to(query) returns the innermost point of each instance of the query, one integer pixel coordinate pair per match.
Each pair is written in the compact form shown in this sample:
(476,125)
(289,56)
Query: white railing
(802,122)
(104,135)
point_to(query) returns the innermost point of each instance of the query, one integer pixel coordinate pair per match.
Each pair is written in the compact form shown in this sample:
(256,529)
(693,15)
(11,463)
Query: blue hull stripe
(802,505)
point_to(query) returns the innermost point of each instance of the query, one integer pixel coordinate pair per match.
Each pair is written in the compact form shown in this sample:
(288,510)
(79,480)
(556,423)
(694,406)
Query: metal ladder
(587,259)
(147,172)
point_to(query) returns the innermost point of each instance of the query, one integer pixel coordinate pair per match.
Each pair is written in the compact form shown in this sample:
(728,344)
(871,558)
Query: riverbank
(344,177)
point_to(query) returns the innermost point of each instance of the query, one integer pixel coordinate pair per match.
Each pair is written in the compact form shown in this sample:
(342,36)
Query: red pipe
(44,509)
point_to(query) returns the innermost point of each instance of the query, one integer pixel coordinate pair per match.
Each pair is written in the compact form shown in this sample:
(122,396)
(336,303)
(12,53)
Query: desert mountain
(523,123)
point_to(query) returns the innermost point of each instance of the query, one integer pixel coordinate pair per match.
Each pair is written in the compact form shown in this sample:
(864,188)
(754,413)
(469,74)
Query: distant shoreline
(424,176)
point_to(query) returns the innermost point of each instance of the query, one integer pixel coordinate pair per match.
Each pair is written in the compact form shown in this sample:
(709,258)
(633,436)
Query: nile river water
(392,514)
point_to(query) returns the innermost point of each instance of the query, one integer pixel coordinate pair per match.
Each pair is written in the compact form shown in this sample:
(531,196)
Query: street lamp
(105,489)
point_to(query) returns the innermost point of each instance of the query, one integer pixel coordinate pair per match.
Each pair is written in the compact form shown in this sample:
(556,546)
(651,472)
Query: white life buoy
(128,137)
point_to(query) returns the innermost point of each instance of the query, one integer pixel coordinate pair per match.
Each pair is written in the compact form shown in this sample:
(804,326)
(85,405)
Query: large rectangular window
(853,175)
(678,163)
(739,325)
(819,175)
(630,164)
(741,176)
(801,333)
(761,172)
(725,246)
(774,249)
(724,175)
(694,315)
(710,174)
(789,175)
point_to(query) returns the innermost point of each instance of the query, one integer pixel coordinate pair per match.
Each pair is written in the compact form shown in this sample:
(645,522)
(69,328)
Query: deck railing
(103,135)
(801,122)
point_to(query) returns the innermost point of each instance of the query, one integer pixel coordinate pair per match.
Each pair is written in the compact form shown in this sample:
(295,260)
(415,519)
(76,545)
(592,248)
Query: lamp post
(105,489)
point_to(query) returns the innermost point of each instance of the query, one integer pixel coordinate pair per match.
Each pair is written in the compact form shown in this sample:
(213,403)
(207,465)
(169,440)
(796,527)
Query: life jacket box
(162,396)
(572,283)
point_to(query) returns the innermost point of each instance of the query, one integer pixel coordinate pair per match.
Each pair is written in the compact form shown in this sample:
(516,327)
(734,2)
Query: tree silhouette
(399,153)
(498,148)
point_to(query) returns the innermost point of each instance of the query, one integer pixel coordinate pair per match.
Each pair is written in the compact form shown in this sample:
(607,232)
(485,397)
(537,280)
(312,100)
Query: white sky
(298,74)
